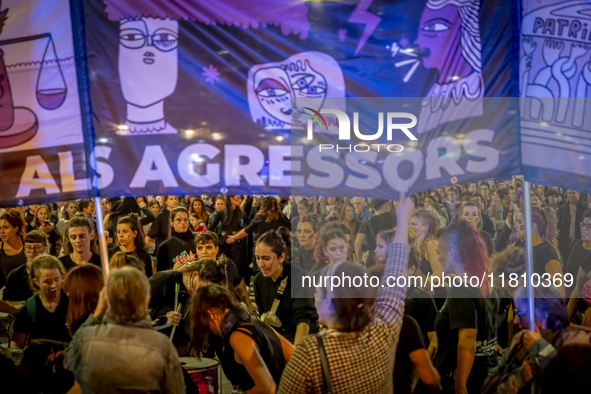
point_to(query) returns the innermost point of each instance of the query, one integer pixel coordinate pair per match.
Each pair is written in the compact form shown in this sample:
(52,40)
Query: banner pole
(529,255)
(102,238)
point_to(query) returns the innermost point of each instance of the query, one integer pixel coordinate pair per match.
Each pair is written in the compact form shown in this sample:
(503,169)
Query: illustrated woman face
(275,87)
(440,33)
(148,59)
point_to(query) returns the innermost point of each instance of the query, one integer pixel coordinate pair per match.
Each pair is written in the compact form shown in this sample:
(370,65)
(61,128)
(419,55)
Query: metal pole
(102,239)
(529,255)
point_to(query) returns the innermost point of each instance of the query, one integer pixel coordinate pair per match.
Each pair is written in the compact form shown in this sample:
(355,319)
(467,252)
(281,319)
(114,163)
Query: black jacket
(563,216)
(179,248)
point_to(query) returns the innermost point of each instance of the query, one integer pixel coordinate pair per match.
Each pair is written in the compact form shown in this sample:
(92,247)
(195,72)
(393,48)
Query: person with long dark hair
(180,247)
(160,229)
(269,217)
(82,285)
(12,247)
(252,350)
(278,279)
(197,207)
(465,326)
(130,240)
(359,333)
(42,222)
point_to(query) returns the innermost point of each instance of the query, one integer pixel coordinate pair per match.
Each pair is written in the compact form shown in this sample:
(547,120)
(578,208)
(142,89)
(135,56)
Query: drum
(204,373)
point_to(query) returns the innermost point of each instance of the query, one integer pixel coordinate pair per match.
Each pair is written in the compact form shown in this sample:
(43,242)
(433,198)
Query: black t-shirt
(17,285)
(460,312)
(575,259)
(543,253)
(259,225)
(175,250)
(375,224)
(68,263)
(142,255)
(46,325)
(297,303)
(159,229)
(410,340)
(421,307)
(10,263)
(585,264)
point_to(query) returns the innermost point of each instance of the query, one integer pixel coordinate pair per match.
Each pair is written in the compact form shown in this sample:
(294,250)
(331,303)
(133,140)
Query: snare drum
(204,373)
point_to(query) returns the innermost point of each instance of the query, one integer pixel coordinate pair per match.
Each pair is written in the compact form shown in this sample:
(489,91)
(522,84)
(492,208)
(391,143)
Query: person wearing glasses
(17,284)
(180,247)
(148,71)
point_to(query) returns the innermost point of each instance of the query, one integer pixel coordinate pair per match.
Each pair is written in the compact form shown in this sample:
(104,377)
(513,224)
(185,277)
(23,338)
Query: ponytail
(547,224)
(134,225)
(279,241)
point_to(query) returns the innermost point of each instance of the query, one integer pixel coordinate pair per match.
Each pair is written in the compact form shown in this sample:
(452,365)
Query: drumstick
(174,328)
(177,288)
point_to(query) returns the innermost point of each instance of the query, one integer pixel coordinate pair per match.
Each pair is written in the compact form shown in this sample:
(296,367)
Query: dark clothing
(259,225)
(68,263)
(180,248)
(269,347)
(10,263)
(159,229)
(162,286)
(410,340)
(564,219)
(585,264)
(420,306)
(230,223)
(543,253)
(375,224)
(457,313)
(142,255)
(302,257)
(293,308)
(17,285)
(575,258)
(123,208)
(488,225)
(42,324)
(487,241)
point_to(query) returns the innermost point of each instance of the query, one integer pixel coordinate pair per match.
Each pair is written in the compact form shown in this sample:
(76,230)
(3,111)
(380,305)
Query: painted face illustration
(276,86)
(440,33)
(148,59)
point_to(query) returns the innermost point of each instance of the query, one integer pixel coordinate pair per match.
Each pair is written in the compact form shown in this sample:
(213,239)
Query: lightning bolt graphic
(371,21)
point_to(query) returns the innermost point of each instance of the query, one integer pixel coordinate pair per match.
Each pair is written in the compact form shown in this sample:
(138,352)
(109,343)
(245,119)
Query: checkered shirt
(358,362)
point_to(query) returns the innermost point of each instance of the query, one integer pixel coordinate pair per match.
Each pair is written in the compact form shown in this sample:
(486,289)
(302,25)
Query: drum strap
(324,362)
(278,296)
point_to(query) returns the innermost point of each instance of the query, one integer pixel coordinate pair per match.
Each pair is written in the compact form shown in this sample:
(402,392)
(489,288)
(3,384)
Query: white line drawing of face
(273,86)
(148,66)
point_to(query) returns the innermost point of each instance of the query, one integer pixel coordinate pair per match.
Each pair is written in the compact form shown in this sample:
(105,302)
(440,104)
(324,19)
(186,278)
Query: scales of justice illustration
(19,124)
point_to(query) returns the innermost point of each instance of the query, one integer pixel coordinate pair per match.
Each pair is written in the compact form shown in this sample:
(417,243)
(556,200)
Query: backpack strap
(324,361)
(32,308)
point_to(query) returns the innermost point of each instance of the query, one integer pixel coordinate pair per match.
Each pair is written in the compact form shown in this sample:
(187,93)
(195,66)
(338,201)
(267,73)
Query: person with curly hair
(424,225)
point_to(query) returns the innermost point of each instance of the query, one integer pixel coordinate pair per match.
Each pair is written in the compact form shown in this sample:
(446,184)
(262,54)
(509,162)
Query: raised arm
(389,303)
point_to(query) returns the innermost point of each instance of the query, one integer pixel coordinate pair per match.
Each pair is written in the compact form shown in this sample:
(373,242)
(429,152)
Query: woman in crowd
(303,250)
(252,350)
(423,230)
(269,217)
(471,213)
(12,250)
(303,209)
(332,248)
(544,240)
(122,259)
(227,222)
(531,351)
(68,211)
(82,285)
(537,200)
(44,315)
(80,244)
(295,317)
(130,240)
(382,219)
(17,284)
(180,247)
(347,217)
(41,222)
(465,326)
(327,205)
(433,201)
(578,249)
(122,352)
(358,333)
(198,208)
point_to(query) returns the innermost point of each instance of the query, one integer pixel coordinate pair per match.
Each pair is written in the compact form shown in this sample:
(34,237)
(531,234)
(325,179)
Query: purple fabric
(291,15)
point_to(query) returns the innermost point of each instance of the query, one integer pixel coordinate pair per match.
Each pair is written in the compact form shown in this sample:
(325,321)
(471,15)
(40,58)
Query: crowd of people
(217,277)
